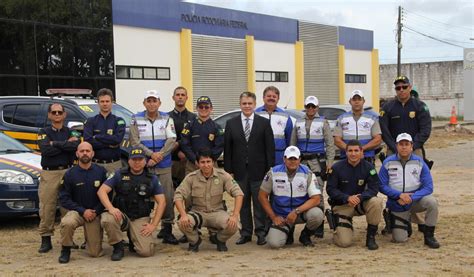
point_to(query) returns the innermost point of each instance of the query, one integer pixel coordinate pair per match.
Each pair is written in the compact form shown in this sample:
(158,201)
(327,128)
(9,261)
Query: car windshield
(222,120)
(330,113)
(10,145)
(93,109)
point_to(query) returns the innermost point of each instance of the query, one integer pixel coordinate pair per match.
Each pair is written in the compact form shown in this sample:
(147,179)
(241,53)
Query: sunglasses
(204,107)
(57,112)
(400,87)
(310,106)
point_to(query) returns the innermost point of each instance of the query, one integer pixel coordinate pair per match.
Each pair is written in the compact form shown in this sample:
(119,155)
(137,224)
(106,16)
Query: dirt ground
(453,174)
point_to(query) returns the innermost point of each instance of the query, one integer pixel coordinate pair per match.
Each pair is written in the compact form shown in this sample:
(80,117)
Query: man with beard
(79,195)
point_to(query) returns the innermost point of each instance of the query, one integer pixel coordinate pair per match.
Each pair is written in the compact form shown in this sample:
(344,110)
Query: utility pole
(399,42)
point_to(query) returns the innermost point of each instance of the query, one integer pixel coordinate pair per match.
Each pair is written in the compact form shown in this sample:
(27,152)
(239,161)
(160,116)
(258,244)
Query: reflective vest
(278,120)
(404,178)
(134,198)
(289,195)
(360,130)
(153,134)
(314,141)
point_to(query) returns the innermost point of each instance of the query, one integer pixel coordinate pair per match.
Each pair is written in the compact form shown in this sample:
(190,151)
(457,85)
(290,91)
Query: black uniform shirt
(79,188)
(105,134)
(346,180)
(198,135)
(180,119)
(61,153)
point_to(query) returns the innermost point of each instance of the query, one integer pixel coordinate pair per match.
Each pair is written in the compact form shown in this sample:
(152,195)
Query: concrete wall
(273,56)
(146,47)
(440,84)
(358,62)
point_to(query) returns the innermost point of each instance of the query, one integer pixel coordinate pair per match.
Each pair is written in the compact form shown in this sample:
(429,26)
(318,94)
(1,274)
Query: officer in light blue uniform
(295,200)
(406,180)
(282,125)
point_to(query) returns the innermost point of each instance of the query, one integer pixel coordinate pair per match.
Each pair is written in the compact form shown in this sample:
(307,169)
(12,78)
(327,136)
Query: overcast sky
(449,20)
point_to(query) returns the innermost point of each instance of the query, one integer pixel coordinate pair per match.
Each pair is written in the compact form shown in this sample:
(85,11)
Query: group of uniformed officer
(182,148)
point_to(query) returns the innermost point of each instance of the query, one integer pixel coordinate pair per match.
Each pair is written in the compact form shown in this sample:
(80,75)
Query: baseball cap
(311,100)
(137,152)
(152,93)
(204,100)
(404,136)
(357,93)
(402,79)
(292,152)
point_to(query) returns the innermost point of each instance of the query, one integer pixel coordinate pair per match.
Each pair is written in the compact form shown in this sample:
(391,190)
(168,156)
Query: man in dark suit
(249,152)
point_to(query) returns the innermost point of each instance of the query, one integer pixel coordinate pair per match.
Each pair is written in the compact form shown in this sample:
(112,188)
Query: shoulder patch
(425,108)
(121,122)
(382,112)
(372,172)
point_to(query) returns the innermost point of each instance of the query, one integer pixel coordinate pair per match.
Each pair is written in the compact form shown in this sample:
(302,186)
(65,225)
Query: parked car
(20,169)
(23,116)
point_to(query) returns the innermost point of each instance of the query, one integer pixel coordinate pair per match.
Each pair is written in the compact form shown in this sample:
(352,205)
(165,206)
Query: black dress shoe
(261,240)
(243,240)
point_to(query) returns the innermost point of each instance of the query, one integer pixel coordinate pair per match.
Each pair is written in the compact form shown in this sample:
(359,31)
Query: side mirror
(75,125)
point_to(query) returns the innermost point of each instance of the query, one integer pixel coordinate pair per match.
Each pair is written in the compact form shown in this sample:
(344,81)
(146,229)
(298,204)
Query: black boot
(183,239)
(195,247)
(65,255)
(370,239)
(421,228)
(430,240)
(168,236)
(118,252)
(290,239)
(213,238)
(221,247)
(305,237)
(319,232)
(45,244)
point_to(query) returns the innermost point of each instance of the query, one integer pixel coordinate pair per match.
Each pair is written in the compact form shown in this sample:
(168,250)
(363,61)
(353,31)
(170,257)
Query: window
(26,115)
(271,76)
(356,78)
(8,112)
(142,72)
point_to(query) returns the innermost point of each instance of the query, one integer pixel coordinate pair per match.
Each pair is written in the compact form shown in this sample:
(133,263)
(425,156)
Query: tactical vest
(404,178)
(134,198)
(153,135)
(314,141)
(360,130)
(289,195)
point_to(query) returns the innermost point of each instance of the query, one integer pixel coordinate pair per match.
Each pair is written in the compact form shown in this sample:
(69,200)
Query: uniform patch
(110,131)
(216,181)
(126,178)
(412,114)
(280,181)
(266,177)
(373,172)
(121,122)
(76,134)
(97,183)
(360,182)
(382,113)
(211,137)
(425,108)
(41,137)
(185,132)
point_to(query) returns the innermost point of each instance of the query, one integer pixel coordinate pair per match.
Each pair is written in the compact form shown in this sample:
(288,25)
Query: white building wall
(358,62)
(146,47)
(273,56)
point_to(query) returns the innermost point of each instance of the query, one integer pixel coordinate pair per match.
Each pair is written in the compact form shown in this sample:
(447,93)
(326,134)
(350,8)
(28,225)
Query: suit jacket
(254,157)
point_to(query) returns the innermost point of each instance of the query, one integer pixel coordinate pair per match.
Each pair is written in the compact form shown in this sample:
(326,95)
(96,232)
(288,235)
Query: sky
(451,21)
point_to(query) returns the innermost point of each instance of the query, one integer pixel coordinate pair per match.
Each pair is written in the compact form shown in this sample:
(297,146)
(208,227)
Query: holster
(331,219)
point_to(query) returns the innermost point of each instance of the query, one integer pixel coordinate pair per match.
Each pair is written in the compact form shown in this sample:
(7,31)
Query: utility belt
(57,167)
(97,161)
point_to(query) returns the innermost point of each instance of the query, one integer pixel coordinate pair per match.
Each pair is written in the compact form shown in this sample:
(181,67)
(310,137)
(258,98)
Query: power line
(437,28)
(431,37)
(439,22)
(444,39)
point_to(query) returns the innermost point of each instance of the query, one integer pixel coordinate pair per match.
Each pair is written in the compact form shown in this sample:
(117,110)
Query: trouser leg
(373,210)
(93,235)
(277,236)
(178,170)
(48,190)
(191,231)
(144,245)
(69,223)
(190,167)
(399,222)
(430,205)
(259,215)
(246,210)
(219,221)
(343,234)
(313,217)
(167,184)
(111,227)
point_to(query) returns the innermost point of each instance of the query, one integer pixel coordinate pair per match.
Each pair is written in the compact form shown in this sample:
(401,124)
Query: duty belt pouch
(322,164)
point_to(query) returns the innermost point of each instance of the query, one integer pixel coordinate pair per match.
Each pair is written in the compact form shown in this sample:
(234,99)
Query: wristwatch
(297,211)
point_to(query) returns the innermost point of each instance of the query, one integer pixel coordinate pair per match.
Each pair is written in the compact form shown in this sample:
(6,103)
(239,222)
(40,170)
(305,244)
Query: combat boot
(221,247)
(118,252)
(291,233)
(319,232)
(195,247)
(430,240)
(370,239)
(167,234)
(45,244)
(65,255)
(305,237)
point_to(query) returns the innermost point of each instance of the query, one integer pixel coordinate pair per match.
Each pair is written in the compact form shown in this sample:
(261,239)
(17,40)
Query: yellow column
(250,42)
(299,75)
(375,80)
(187,66)
(342,75)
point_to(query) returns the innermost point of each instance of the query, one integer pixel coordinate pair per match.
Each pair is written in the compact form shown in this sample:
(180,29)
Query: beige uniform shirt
(207,193)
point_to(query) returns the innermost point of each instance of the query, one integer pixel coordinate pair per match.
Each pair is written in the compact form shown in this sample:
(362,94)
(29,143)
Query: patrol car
(20,169)
(23,116)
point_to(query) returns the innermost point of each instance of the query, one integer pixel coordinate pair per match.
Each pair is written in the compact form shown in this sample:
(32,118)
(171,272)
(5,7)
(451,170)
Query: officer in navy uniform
(359,125)
(136,191)
(57,144)
(201,133)
(406,180)
(295,200)
(79,196)
(352,187)
(105,132)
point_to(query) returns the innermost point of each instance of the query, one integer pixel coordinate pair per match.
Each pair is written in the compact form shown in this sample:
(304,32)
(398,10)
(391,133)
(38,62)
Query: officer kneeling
(295,197)
(406,180)
(352,187)
(134,189)
(204,189)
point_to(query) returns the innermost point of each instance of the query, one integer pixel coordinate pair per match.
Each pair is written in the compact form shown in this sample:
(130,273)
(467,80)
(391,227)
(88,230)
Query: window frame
(143,69)
(355,78)
(272,76)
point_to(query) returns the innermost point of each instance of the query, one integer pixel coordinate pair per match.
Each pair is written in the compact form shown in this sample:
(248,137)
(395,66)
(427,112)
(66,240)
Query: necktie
(247,129)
